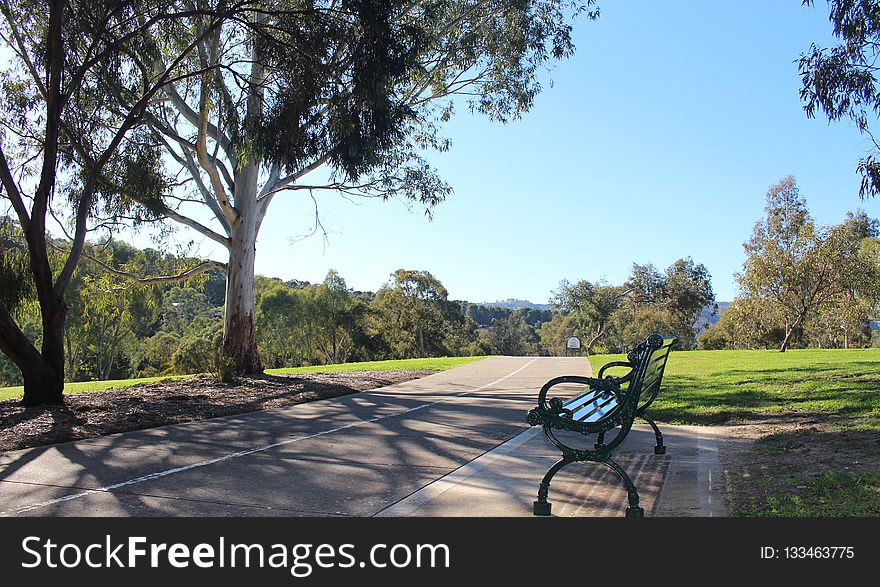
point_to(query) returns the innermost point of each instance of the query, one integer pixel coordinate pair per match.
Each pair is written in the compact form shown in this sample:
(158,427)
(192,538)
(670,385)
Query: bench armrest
(554,406)
(617,380)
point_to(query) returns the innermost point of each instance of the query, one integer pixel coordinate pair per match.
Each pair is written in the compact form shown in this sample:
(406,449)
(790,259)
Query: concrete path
(452,444)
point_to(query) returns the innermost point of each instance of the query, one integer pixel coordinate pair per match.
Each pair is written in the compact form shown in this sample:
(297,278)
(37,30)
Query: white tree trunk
(239,332)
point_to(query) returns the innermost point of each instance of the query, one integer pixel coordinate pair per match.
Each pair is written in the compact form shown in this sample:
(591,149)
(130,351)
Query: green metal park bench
(606,404)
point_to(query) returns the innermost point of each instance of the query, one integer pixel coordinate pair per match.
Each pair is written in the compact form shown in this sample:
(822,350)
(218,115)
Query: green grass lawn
(828,495)
(826,466)
(89,386)
(727,387)
(435,364)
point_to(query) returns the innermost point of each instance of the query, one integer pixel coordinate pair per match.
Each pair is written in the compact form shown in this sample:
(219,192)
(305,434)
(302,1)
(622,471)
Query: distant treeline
(118,329)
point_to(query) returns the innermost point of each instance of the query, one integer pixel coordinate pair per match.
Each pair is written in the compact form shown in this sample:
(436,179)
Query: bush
(713,338)
(194,355)
(159,351)
(224,368)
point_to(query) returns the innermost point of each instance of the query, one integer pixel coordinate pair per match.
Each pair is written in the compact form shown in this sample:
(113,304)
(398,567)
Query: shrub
(194,355)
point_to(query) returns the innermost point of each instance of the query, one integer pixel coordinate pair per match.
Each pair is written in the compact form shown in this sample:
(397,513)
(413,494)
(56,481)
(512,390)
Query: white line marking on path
(411,503)
(242,453)
(508,376)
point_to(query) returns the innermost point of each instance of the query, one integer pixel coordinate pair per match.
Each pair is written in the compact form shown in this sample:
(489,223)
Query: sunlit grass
(724,387)
(829,495)
(431,364)
(90,386)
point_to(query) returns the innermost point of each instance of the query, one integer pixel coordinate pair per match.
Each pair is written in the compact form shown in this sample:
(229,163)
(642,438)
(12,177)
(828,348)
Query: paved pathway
(452,444)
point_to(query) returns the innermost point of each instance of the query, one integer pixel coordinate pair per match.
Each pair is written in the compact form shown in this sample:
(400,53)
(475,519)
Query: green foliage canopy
(841,81)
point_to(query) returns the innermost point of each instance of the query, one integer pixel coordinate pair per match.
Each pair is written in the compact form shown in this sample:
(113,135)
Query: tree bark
(786,340)
(599,335)
(43,373)
(52,351)
(789,331)
(239,331)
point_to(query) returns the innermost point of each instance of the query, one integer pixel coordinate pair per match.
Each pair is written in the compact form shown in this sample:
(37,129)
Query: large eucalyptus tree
(351,90)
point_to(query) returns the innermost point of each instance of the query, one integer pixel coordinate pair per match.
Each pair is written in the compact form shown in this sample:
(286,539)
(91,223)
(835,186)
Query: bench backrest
(606,402)
(649,359)
(649,362)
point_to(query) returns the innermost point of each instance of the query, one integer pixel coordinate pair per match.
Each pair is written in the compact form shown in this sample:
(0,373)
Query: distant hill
(707,318)
(513,304)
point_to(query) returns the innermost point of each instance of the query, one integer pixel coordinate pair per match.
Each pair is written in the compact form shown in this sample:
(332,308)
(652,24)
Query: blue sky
(657,140)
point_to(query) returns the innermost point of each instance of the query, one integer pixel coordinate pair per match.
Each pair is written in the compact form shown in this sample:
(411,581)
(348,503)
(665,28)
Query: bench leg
(634,510)
(660,449)
(542,507)
(600,441)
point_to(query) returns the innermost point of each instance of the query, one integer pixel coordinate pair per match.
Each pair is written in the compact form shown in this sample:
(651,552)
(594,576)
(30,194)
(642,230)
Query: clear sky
(656,141)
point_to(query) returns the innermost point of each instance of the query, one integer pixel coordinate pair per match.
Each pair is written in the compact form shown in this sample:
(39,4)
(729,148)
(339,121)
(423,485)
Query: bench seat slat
(585,398)
(594,410)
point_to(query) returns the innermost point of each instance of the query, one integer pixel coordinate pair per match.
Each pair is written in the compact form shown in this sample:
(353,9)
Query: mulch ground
(86,415)
(784,453)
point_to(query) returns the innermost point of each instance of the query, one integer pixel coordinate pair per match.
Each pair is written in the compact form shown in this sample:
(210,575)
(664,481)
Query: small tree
(794,269)
(780,268)
(284,333)
(336,315)
(513,336)
(554,333)
(670,301)
(847,314)
(591,306)
(413,314)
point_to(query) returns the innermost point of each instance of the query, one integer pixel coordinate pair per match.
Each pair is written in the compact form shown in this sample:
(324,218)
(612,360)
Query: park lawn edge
(16,391)
(427,364)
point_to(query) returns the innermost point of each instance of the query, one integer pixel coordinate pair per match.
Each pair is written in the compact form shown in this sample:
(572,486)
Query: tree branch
(202,142)
(158,280)
(186,161)
(192,117)
(12,192)
(166,129)
(198,227)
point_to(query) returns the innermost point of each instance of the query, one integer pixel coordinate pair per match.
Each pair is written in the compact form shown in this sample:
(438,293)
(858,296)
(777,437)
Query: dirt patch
(86,415)
(779,458)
